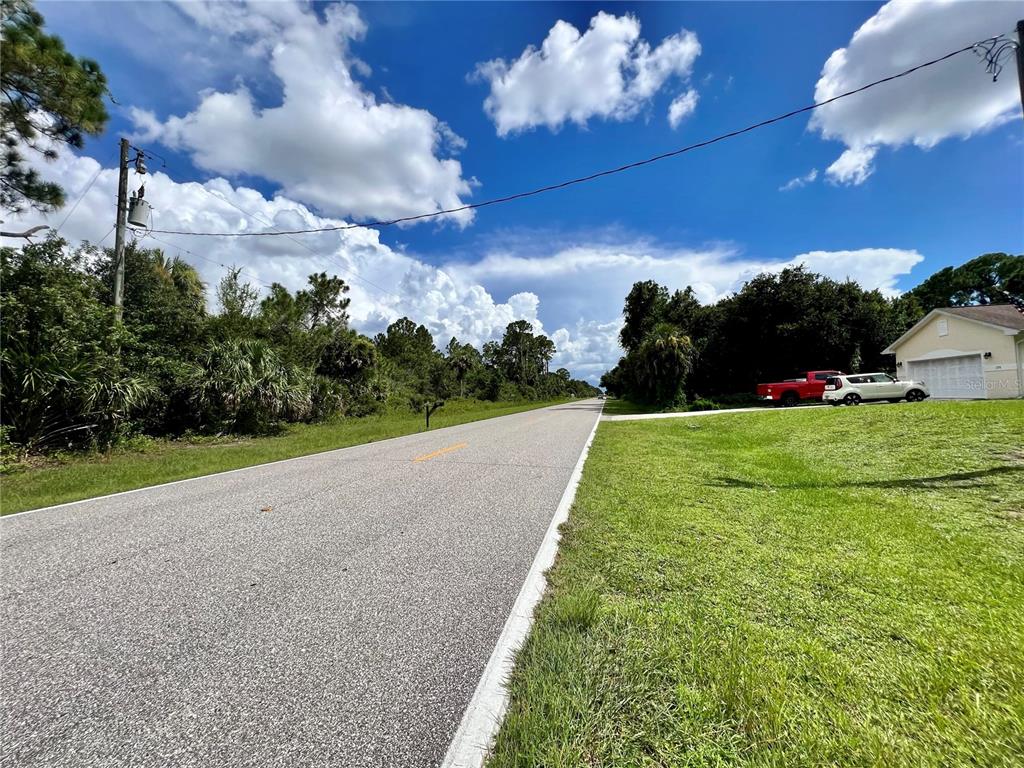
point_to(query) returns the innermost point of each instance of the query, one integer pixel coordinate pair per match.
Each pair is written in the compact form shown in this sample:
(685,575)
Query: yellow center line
(439,452)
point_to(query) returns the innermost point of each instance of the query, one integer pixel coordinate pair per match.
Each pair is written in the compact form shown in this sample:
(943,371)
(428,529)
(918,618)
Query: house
(965,352)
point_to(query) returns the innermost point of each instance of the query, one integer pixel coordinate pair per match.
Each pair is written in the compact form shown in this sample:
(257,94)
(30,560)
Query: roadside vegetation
(57,478)
(254,362)
(623,406)
(679,351)
(93,406)
(824,588)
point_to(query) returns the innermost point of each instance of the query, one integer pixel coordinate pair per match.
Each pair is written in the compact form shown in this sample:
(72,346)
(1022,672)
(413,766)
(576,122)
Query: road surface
(332,610)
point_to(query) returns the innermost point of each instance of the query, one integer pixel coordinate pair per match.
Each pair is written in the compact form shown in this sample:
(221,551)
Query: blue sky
(324,114)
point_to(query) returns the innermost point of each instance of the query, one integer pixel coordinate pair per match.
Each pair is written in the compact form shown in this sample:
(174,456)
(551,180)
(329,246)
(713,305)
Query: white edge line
(485,711)
(266,464)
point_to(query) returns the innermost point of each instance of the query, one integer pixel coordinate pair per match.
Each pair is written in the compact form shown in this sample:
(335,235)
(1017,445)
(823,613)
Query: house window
(943,327)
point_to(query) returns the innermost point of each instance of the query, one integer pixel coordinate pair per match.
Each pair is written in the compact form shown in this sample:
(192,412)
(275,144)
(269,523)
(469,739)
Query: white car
(855,388)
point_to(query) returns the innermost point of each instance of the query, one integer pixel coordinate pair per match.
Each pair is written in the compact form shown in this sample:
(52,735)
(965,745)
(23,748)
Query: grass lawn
(84,476)
(824,587)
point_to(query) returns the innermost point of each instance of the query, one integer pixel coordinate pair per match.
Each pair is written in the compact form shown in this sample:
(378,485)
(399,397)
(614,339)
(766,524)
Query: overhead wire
(240,271)
(255,217)
(330,257)
(81,197)
(597,174)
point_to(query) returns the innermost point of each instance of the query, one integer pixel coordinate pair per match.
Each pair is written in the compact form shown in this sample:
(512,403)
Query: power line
(592,176)
(80,198)
(212,261)
(329,257)
(99,242)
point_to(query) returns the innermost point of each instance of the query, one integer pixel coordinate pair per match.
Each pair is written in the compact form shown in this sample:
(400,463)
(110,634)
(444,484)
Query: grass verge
(831,587)
(84,476)
(619,406)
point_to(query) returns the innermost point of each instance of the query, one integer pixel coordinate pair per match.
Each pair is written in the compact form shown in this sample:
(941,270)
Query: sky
(287,115)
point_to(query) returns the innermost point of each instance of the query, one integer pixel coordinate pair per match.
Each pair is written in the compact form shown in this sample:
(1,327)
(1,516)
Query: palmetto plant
(243,386)
(47,403)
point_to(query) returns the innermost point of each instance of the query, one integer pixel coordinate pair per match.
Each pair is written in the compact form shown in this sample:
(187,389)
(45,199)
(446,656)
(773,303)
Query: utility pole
(122,215)
(1020,60)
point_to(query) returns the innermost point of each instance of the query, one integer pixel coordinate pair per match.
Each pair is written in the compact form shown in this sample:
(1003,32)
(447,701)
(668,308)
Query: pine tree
(48,97)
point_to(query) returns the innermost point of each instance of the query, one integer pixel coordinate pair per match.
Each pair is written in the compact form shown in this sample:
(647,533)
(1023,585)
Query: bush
(61,381)
(242,386)
(327,398)
(737,400)
(703,404)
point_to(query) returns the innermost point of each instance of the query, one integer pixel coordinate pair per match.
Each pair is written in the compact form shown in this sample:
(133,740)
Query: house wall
(1003,374)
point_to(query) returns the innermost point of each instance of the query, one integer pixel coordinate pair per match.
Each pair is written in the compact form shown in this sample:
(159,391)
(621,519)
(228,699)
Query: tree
(776,326)
(71,377)
(243,386)
(61,384)
(994,278)
(323,303)
(164,299)
(409,348)
(645,308)
(683,310)
(348,356)
(47,98)
(462,359)
(237,302)
(522,356)
(664,359)
(166,326)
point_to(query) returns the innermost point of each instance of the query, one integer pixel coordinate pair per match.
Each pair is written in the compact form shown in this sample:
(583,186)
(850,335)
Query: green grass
(619,406)
(84,476)
(828,587)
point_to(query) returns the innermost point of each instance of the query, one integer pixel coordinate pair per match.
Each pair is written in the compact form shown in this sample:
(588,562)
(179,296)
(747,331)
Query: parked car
(856,388)
(792,391)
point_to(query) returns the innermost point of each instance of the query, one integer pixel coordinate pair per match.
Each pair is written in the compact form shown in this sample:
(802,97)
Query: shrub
(242,386)
(61,381)
(703,404)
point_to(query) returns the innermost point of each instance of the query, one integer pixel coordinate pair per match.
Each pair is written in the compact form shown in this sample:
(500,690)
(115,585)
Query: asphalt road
(332,610)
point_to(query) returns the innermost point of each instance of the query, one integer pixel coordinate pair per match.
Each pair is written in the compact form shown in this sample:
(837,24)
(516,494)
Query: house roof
(1004,316)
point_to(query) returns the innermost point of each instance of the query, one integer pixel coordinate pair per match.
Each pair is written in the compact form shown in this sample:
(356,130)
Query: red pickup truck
(792,391)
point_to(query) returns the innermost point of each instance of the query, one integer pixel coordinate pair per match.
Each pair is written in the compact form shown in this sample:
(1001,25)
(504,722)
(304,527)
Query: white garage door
(954,377)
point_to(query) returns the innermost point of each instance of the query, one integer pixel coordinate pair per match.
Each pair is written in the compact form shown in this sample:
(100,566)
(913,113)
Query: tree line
(70,376)
(777,325)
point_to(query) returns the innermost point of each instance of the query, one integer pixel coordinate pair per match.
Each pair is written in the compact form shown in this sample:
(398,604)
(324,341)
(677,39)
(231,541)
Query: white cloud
(603,273)
(582,285)
(572,291)
(328,143)
(872,268)
(682,106)
(952,99)
(606,72)
(590,349)
(853,166)
(385,283)
(800,181)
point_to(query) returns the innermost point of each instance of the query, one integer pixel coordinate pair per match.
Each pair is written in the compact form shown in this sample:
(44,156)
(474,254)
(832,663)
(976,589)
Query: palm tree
(666,358)
(183,276)
(190,286)
(461,365)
